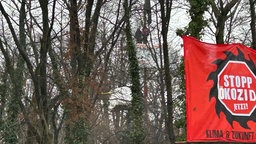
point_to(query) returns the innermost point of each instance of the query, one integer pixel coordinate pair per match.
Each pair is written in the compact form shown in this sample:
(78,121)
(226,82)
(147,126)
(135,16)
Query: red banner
(220,91)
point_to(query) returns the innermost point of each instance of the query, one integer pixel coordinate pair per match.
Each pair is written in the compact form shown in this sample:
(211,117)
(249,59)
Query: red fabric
(209,68)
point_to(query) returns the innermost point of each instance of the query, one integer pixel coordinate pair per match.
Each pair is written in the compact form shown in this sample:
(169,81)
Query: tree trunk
(222,13)
(41,94)
(76,124)
(220,30)
(165,8)
(137,132)
(82,60)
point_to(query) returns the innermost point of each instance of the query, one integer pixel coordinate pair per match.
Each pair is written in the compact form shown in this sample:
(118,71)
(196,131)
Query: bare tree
(165,8)
(222,11)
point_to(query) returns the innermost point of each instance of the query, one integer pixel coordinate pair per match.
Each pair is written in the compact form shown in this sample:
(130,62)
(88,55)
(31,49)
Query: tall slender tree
(136,132)
(165,9)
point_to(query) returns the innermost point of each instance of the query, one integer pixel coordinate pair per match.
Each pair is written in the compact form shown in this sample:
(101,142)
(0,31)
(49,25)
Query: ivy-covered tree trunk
(195,27)
(15,104)
(197,23)
(11,125)
(136,133)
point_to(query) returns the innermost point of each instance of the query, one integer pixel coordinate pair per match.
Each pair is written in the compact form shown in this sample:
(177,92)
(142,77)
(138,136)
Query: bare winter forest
(105,71)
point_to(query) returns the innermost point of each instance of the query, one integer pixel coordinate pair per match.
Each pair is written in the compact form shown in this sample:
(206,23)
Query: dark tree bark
(165,8)
(76,126)
(82,53)
(41,93)
(222,13)
(74,37)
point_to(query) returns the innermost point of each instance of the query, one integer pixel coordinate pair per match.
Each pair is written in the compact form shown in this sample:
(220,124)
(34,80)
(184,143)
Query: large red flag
(220,91)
